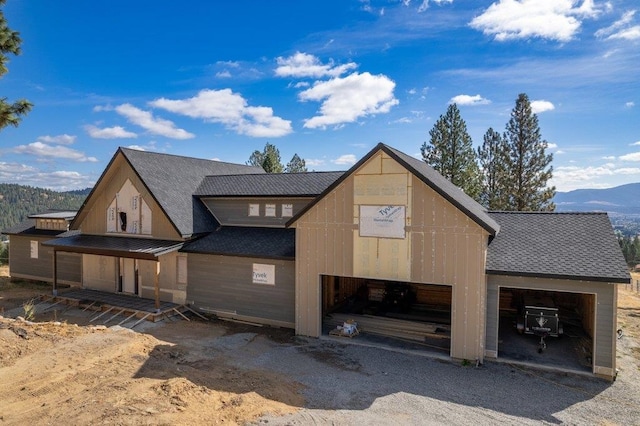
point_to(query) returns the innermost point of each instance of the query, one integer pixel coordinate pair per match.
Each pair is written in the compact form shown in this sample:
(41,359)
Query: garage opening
(549,328)
(410,315)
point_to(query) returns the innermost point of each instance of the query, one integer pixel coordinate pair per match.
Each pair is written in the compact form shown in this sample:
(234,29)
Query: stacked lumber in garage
(390,327)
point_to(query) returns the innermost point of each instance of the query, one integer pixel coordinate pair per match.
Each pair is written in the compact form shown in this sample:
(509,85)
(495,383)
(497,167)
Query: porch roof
(138,248)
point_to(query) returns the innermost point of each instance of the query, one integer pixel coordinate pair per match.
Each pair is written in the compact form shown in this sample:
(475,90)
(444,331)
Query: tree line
(19,201)
(509,171)
(269,160)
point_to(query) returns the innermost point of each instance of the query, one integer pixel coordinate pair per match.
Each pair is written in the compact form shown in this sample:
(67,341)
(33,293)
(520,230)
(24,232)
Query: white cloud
(60,139)
(223,74)
(230,109)
(622,29)
(635,143)
(523,19)
(609,157)
(630,104)
(347,159)
(115,132)
(634,156)
(425,4)
(306,65)
(101,108)
(147,121)
(344,100)
(311,162)
(552,145)
(469,100)
(42,150)
(540,106)
(137,147)
(567,178)
(60,180)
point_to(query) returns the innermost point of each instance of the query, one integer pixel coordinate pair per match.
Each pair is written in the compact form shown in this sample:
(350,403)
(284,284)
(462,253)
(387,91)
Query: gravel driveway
(348,384)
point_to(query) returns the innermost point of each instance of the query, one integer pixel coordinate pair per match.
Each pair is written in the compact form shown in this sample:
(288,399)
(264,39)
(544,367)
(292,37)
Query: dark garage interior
(572,349)
(397,313)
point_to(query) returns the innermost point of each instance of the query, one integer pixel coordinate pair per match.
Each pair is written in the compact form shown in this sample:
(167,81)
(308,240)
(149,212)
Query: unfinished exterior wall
(441,245)
(605,321)
(224,285)
(94,216)
(170,290)
(40,268)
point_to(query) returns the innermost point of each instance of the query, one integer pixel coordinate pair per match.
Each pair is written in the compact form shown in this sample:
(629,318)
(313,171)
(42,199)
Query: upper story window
(128,212)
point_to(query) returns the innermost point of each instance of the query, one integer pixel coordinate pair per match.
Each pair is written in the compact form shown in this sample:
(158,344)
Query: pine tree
(451,153)
(10,113)
(296,165)
(268,159)
(492,158)
(528,164)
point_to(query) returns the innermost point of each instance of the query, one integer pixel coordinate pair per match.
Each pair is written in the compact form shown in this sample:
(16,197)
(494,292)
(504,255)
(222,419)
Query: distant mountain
(19,201)
(623,199)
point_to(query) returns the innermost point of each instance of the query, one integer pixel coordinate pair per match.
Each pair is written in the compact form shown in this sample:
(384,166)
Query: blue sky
(326,80)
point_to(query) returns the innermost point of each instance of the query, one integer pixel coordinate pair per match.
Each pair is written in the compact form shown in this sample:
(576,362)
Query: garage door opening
(548,328)
(390,312)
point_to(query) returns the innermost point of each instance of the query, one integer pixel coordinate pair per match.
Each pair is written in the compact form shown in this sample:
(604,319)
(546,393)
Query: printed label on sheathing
(382,221)
(264,274)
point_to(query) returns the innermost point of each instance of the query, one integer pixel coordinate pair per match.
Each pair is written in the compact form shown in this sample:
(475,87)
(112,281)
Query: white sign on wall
(382,221)
(264,274)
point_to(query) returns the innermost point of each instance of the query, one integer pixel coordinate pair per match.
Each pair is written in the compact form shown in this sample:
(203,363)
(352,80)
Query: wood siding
(235,211)
(224,285)
(604,338)
(441,246)
(93,217)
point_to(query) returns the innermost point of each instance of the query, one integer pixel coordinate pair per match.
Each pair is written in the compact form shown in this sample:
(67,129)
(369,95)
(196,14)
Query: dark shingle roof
(142,248)
(172,180)
(430,177)
(274,243)
(556,245)
(264,185)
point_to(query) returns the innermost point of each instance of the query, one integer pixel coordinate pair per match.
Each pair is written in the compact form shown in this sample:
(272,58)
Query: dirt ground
(57,370)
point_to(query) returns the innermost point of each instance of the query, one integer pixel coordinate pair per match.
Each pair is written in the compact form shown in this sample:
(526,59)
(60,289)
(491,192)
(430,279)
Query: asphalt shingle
(263,185)
(173,179)
(274,243)
(556,245)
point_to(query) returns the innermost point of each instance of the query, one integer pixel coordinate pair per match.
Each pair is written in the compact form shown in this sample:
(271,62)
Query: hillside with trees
(19,201)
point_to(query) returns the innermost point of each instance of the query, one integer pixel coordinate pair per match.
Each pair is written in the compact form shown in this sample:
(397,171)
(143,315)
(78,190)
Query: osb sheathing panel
(442,246)
(94,215)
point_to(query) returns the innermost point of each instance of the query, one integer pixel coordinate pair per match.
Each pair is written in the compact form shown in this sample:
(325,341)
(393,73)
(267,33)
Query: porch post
(157,286)
(55,272)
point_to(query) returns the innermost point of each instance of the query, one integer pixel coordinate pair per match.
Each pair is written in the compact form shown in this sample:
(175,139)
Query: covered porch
(114,270)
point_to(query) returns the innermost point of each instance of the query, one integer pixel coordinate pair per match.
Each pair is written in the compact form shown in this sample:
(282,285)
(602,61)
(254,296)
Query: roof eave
(616,280)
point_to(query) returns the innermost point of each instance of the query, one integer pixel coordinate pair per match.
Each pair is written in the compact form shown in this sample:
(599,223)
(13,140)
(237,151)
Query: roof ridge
(188,157)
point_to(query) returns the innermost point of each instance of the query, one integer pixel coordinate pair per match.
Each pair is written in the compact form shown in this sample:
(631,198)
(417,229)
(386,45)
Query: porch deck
(114,306)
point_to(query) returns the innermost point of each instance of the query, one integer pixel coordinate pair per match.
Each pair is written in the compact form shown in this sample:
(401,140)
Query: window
(182,269)
(270,210)
(287,210)
(34,249)
(254,209)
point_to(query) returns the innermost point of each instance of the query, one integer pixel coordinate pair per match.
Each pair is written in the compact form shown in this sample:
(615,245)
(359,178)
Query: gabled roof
(55,214)
(307,184)
(574,246)
(271,243)
(430,177)
(172,180)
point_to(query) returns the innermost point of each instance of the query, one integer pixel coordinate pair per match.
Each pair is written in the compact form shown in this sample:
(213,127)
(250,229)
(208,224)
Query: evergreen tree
(492,158)
(296,165)
(528,164)
(451,153)
(10,113)
(268,159)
